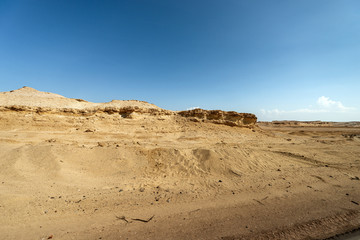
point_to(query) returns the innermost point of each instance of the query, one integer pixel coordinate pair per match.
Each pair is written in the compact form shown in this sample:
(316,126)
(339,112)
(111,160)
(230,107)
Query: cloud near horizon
(192,108)
(324,105)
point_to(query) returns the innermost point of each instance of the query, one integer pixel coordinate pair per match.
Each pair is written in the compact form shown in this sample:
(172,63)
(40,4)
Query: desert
(72,169)
(180,120)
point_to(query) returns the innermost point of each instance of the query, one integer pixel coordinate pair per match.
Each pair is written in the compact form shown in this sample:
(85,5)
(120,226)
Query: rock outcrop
(230,118)
(123,111)
(31,100)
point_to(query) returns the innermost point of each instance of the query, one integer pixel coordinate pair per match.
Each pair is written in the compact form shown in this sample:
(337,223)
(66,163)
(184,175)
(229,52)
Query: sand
(71,171)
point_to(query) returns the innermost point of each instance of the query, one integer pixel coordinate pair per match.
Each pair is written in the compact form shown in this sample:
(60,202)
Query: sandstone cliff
(230,118)
(28,99)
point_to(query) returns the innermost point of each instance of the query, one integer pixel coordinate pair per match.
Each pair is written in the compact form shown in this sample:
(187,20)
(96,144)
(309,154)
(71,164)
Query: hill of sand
(72,169)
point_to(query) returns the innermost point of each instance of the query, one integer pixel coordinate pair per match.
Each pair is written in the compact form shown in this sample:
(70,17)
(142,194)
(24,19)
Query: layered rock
(30,100)
(230,118)
(124,111)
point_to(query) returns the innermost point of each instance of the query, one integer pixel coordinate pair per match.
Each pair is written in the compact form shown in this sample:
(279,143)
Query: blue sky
(278,59)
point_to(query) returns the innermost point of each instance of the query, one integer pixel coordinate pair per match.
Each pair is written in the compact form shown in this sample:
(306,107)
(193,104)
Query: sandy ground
(66,176)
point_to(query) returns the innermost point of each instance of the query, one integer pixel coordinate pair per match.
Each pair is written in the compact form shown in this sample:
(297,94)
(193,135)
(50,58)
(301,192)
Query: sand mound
(29,99)
(27,109)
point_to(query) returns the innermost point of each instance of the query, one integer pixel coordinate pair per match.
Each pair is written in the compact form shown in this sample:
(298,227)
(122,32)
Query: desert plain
(71,169)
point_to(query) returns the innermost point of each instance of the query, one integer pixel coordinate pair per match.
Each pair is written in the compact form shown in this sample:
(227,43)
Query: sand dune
(72,169)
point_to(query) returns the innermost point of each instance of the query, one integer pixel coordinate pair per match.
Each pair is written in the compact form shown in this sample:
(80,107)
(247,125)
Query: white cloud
(302,110)
(273,111)
(325,101)
(192,108)
(308,110)
(328,103)
(324,105)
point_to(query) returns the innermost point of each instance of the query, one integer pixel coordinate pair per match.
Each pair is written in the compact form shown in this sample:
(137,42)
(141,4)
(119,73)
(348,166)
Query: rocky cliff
(28,99)
(230,118)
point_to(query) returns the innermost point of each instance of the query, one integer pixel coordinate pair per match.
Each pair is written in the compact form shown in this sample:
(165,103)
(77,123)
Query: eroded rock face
(27,99)
(30,100)
(230,118)
(124,111)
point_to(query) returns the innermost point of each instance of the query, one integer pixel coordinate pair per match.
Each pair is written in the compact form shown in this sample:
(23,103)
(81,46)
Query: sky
(279,59)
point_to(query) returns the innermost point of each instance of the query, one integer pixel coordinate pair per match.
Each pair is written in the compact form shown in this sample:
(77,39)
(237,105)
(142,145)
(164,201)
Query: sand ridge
(27,96)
